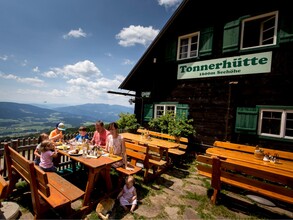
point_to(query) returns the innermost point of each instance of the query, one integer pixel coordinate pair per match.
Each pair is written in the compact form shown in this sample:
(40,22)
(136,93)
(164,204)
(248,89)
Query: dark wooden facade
(213,101)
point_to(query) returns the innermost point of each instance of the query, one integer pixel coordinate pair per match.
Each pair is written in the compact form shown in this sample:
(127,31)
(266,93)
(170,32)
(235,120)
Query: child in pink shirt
(48,152)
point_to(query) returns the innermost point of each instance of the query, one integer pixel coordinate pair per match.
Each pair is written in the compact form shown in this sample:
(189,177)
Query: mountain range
(18,119)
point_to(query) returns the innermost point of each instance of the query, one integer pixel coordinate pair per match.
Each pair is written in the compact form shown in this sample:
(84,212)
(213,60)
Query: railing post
(14,144)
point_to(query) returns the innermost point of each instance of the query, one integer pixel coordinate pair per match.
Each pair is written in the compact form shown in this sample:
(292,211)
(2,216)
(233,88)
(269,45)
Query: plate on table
(58,143)
(74,153)
(63,147)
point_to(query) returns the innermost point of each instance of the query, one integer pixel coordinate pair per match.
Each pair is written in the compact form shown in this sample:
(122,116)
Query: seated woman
(116,145)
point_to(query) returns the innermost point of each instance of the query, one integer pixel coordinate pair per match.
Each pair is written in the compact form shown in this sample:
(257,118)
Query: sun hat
(60,126)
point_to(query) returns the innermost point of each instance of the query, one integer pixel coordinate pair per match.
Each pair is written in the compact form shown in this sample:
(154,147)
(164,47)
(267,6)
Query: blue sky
(73,51)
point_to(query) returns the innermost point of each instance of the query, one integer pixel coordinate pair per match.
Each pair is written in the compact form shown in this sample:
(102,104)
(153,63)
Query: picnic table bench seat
(136,156)
(250,149)
(182,141)
(143,157)
(48,189)
(251,177)
(155,160)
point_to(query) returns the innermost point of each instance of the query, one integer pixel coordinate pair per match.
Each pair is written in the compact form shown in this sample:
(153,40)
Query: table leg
(90,185)
(108,178)
(167,158)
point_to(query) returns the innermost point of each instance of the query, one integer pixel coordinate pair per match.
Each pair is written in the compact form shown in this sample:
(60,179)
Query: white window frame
(260,21)
(190,53)
(164,109)
(283,120)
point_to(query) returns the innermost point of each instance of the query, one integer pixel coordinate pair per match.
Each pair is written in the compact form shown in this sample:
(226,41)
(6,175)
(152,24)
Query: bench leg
(214,196)
(146,174)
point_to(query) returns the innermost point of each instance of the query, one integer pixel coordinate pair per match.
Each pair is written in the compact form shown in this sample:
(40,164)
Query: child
(128,195)
(56,135)
(82,134)
(48,152)
(37,151)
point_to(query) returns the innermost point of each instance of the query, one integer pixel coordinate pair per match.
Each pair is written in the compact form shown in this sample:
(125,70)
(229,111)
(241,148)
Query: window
(276,123)
(188,46)
(259,31)
(156,110)
(161,110)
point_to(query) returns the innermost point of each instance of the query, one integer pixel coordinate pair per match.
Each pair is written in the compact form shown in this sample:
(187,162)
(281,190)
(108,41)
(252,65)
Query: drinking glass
(111,150)
(84,151)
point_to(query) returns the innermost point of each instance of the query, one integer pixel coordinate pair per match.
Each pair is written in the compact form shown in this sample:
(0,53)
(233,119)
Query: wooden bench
(135,154)
(182,142)
(256,178)
(48,189)
(250,149)
(155,160)
(3,187)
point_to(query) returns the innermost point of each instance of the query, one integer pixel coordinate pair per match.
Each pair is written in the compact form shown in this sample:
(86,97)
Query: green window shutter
(286,30)
(170,53)
(148,112)
(206,41)
(246,120)
(231,36)
(182,110)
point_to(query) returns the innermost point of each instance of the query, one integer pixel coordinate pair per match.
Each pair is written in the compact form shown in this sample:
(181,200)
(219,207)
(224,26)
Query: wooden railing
(26,147)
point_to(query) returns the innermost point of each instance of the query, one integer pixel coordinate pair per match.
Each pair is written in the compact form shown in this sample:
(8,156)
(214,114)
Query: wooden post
(216,178)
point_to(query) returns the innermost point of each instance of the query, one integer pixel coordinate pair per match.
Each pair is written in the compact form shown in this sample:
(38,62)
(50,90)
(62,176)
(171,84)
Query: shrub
(174,125)
(127,122)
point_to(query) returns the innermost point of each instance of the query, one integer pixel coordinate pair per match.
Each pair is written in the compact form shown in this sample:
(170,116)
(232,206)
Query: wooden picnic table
(284,166)
(163,144)
(94,165)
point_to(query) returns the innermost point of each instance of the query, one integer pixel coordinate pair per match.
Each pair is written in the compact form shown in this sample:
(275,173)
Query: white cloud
(81,82)
(108,54)
(127,62)
(77,83)
(36,69)
(75,34)
(4,57)
(50,74)
(84,69)
(136,35)
(169,3)
(31,81)
(24,63)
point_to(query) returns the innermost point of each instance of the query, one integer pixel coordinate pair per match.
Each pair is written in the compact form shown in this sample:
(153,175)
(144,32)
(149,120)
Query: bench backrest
(250,149)
(34,176)
(163,135)
(136,153)
(155,152)
(266,182)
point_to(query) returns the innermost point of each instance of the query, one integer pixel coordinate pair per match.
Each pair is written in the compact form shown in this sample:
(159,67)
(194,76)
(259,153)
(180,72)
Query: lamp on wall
(131,101)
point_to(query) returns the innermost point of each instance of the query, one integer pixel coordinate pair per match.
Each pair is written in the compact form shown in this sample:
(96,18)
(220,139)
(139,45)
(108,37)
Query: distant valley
(18,119)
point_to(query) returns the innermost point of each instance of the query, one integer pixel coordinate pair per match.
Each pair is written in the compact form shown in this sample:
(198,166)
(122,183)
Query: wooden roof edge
(161,33)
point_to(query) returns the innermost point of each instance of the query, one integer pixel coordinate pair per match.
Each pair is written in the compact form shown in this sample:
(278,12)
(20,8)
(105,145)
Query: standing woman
(116,141)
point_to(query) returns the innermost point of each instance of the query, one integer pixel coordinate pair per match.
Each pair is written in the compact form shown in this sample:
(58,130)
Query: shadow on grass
(240,204)
(247,208)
